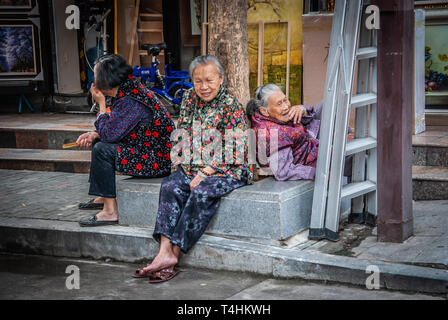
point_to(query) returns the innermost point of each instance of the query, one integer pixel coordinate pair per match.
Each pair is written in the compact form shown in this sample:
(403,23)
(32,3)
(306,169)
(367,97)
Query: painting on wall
(436,58)
(18,50)
(276,15)
(16,4)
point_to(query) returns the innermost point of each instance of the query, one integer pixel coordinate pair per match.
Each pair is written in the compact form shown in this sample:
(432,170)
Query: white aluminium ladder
(350,41)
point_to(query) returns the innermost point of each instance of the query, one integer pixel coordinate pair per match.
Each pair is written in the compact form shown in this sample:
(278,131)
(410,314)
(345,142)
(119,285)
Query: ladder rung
(359,145)
(366,53)
(357,189)
(363,99)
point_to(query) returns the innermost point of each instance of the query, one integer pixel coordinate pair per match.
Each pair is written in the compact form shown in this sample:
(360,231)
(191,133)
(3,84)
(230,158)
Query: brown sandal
(163,275)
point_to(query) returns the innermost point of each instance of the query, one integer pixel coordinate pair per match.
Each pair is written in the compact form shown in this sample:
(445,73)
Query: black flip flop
(91,205)
(93,222)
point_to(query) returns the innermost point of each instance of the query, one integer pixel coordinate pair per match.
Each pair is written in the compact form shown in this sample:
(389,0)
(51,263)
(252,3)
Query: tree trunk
(228,40)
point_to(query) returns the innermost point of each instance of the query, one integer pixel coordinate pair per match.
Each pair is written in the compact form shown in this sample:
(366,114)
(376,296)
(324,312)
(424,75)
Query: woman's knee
(103,150)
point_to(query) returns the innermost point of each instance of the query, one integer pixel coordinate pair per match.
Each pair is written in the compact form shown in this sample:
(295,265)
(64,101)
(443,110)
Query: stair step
(430,148)
(45,160)
(436,118)
(429,183)
(43,131)
(430,173)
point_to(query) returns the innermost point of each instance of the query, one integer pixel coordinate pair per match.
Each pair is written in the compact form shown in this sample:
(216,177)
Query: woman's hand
(195,182)
(296,113)
(99,97)
(85,140)
(198,179)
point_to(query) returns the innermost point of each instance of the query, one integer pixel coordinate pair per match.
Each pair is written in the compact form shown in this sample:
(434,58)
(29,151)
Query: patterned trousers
(184,215)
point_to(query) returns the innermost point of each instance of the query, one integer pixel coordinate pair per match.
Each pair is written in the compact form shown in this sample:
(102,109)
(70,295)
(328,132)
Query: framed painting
(16,4)
(19,50)
(436,60)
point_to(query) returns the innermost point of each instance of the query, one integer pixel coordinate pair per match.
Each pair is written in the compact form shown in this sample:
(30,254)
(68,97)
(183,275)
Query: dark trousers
(102,170)
(184,215)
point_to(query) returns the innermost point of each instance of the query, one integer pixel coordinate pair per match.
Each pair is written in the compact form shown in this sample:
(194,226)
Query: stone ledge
(131,244)
(268,209)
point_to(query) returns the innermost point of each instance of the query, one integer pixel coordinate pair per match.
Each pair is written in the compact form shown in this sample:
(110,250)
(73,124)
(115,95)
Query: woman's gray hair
(262,95)
(205,60)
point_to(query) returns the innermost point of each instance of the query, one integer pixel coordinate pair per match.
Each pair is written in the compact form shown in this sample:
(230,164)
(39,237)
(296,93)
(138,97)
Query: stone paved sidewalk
(43,195)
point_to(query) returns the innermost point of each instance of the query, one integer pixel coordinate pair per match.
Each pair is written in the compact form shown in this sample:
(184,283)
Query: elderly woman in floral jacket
(134,138)
(190,196)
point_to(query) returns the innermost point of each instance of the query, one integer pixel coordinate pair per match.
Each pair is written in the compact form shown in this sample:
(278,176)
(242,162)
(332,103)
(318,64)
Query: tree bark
(228,40)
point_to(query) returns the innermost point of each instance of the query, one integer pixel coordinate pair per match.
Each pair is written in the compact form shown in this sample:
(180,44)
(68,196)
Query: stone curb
(131,244)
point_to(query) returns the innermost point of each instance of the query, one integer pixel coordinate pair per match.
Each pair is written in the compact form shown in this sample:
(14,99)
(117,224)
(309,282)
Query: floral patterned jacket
(208,126)
(142,127)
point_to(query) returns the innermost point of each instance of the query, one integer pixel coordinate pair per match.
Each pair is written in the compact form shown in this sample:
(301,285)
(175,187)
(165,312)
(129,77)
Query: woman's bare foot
(99,200)
(107,216)
(110,211)
(164,260)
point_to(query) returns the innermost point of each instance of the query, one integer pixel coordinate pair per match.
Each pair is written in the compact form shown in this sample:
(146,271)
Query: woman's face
(278,107)
(207,81)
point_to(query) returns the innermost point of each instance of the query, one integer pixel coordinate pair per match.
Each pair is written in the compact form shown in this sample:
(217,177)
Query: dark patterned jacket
(142,127)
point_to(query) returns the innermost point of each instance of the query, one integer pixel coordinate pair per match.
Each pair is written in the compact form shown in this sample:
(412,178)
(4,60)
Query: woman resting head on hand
(294,155)
(133,138)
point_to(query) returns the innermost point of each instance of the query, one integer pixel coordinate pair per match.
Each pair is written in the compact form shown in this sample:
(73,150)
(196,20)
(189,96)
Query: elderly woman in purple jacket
(288,135)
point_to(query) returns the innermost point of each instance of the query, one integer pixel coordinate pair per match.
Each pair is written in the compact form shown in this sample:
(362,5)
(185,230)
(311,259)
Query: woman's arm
(113,127)
(283,167)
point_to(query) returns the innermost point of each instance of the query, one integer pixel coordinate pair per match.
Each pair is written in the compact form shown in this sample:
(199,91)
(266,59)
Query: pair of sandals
(156,276)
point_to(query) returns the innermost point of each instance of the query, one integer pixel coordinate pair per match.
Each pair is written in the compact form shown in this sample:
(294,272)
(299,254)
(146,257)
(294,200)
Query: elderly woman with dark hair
(190,196)
(134,138)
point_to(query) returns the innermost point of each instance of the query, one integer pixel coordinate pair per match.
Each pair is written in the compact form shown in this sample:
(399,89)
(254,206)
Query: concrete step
(430,183)
(132,244)
(42,131)
(435,118)
(268,210)
(45,160)
(431,147)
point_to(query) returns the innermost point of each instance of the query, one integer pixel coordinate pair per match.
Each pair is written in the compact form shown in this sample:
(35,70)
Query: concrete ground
(25,277)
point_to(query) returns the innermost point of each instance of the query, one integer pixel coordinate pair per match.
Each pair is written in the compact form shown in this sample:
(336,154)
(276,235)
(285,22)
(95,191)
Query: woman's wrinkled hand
(296,113)
(85,140)
(195,182)
(97,95)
